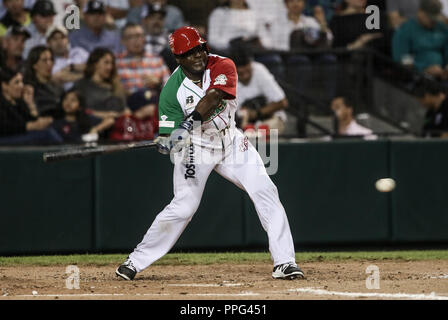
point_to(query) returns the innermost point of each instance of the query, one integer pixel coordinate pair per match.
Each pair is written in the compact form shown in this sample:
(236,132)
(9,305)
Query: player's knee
(184,210)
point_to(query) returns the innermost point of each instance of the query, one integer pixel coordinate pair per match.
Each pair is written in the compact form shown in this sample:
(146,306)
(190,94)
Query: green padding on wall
(328,191)
(45,207)
(420,201)
(134,187)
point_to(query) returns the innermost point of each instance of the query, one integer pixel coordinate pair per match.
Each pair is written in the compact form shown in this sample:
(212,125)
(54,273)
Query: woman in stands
(20,122)
(38,74)
(105,96)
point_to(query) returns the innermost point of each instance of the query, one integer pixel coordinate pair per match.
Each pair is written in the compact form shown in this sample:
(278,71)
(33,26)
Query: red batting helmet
(184,39)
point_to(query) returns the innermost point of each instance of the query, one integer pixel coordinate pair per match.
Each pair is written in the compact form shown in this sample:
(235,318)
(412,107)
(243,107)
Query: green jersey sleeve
(170,111)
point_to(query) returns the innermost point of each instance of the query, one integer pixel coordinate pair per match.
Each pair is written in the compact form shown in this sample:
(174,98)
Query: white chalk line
(206,285)
(313,291)
(322,292)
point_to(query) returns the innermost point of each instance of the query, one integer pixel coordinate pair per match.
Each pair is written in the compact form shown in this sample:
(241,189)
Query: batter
(197,127)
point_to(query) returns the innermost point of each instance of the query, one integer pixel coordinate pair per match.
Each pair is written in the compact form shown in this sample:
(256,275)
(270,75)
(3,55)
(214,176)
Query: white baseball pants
(240,164)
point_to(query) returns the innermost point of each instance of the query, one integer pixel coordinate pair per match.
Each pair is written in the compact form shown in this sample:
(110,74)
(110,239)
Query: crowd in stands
(104,79)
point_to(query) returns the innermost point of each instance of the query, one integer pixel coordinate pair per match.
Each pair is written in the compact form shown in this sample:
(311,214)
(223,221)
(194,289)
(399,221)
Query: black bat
(87,152)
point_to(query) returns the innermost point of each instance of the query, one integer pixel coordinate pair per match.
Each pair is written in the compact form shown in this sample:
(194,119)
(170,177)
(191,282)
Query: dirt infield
(325,280)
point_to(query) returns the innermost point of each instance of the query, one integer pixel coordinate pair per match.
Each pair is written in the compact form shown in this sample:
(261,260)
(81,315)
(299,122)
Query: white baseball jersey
(180,96)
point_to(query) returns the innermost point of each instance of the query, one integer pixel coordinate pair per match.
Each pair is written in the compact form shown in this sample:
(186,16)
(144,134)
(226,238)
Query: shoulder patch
(220,80)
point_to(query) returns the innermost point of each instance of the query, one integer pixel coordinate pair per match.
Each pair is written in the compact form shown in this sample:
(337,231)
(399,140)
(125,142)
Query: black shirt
(436,121)
(72,131)
(347,29)
(13,118)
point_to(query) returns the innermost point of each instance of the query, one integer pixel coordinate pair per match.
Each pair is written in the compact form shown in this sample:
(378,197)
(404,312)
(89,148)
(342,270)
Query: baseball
(34,293)
(385,185)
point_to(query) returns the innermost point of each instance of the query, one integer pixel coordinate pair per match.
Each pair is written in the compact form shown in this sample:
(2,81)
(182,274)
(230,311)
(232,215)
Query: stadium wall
(108,203)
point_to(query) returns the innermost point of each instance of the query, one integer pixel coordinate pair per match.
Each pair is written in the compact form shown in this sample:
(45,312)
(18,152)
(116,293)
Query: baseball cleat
(287,271)
(127,270)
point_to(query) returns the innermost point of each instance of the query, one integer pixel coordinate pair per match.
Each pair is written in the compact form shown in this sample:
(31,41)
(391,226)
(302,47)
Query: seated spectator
(76,122)
(19,118)
(157,35)
(174,18)
(28,5)
(329,7)
(42,16)
(69,63)
(423,41)
(400,11)
(16,15)
(154,25)
(297,31)
(38,74)
(350,31)
(137,68)
(260,98)
(12,48)
(346,124)
(105,96)
(236,27)
(435,100)
(94,33)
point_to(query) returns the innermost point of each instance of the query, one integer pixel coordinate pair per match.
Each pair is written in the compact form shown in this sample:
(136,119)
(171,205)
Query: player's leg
(244,167)
(189,182)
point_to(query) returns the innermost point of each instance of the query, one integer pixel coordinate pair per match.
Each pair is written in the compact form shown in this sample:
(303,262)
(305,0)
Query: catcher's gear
(184,39)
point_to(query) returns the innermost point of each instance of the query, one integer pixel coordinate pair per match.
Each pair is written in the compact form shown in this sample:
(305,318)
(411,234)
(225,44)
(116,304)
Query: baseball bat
(87,152)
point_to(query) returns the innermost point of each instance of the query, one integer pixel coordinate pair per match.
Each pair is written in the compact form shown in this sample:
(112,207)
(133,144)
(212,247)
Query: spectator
(76,122)
(38,74)
(137,68)
(236,26)
(154,24)
(261,99)
(69,62)
(399,11)
(42,16)
(329,7)
(16,15)
(435,100)
(299,30)
(13,46)
(174,17)
(94,34)
(423,41)
(28,5)
(350,31)
(157,35)
(19,118)
(105,96)
(346,124)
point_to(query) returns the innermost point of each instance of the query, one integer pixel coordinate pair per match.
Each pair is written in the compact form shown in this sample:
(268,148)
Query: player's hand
(180,138)
(164,144)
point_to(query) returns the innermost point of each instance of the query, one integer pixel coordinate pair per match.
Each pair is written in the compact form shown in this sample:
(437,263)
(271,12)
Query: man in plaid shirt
(137,68)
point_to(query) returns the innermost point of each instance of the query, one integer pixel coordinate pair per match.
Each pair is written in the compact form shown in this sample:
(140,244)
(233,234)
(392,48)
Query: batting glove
(164,145)
(181,137)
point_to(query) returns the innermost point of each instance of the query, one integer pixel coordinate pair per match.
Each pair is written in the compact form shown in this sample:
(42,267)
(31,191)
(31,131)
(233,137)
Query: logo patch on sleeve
(220,80)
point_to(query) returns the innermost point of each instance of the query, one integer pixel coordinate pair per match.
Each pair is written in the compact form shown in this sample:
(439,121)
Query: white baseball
(34,293)
(385,185)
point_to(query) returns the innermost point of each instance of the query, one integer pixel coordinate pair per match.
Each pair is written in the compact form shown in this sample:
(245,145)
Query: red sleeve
(224,77)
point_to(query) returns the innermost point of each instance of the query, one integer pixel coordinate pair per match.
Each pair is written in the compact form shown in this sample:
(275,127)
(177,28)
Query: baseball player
(197,116)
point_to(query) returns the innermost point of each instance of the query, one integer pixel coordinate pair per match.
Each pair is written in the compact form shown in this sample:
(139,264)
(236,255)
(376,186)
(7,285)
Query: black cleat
(287,271)
(127,270)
